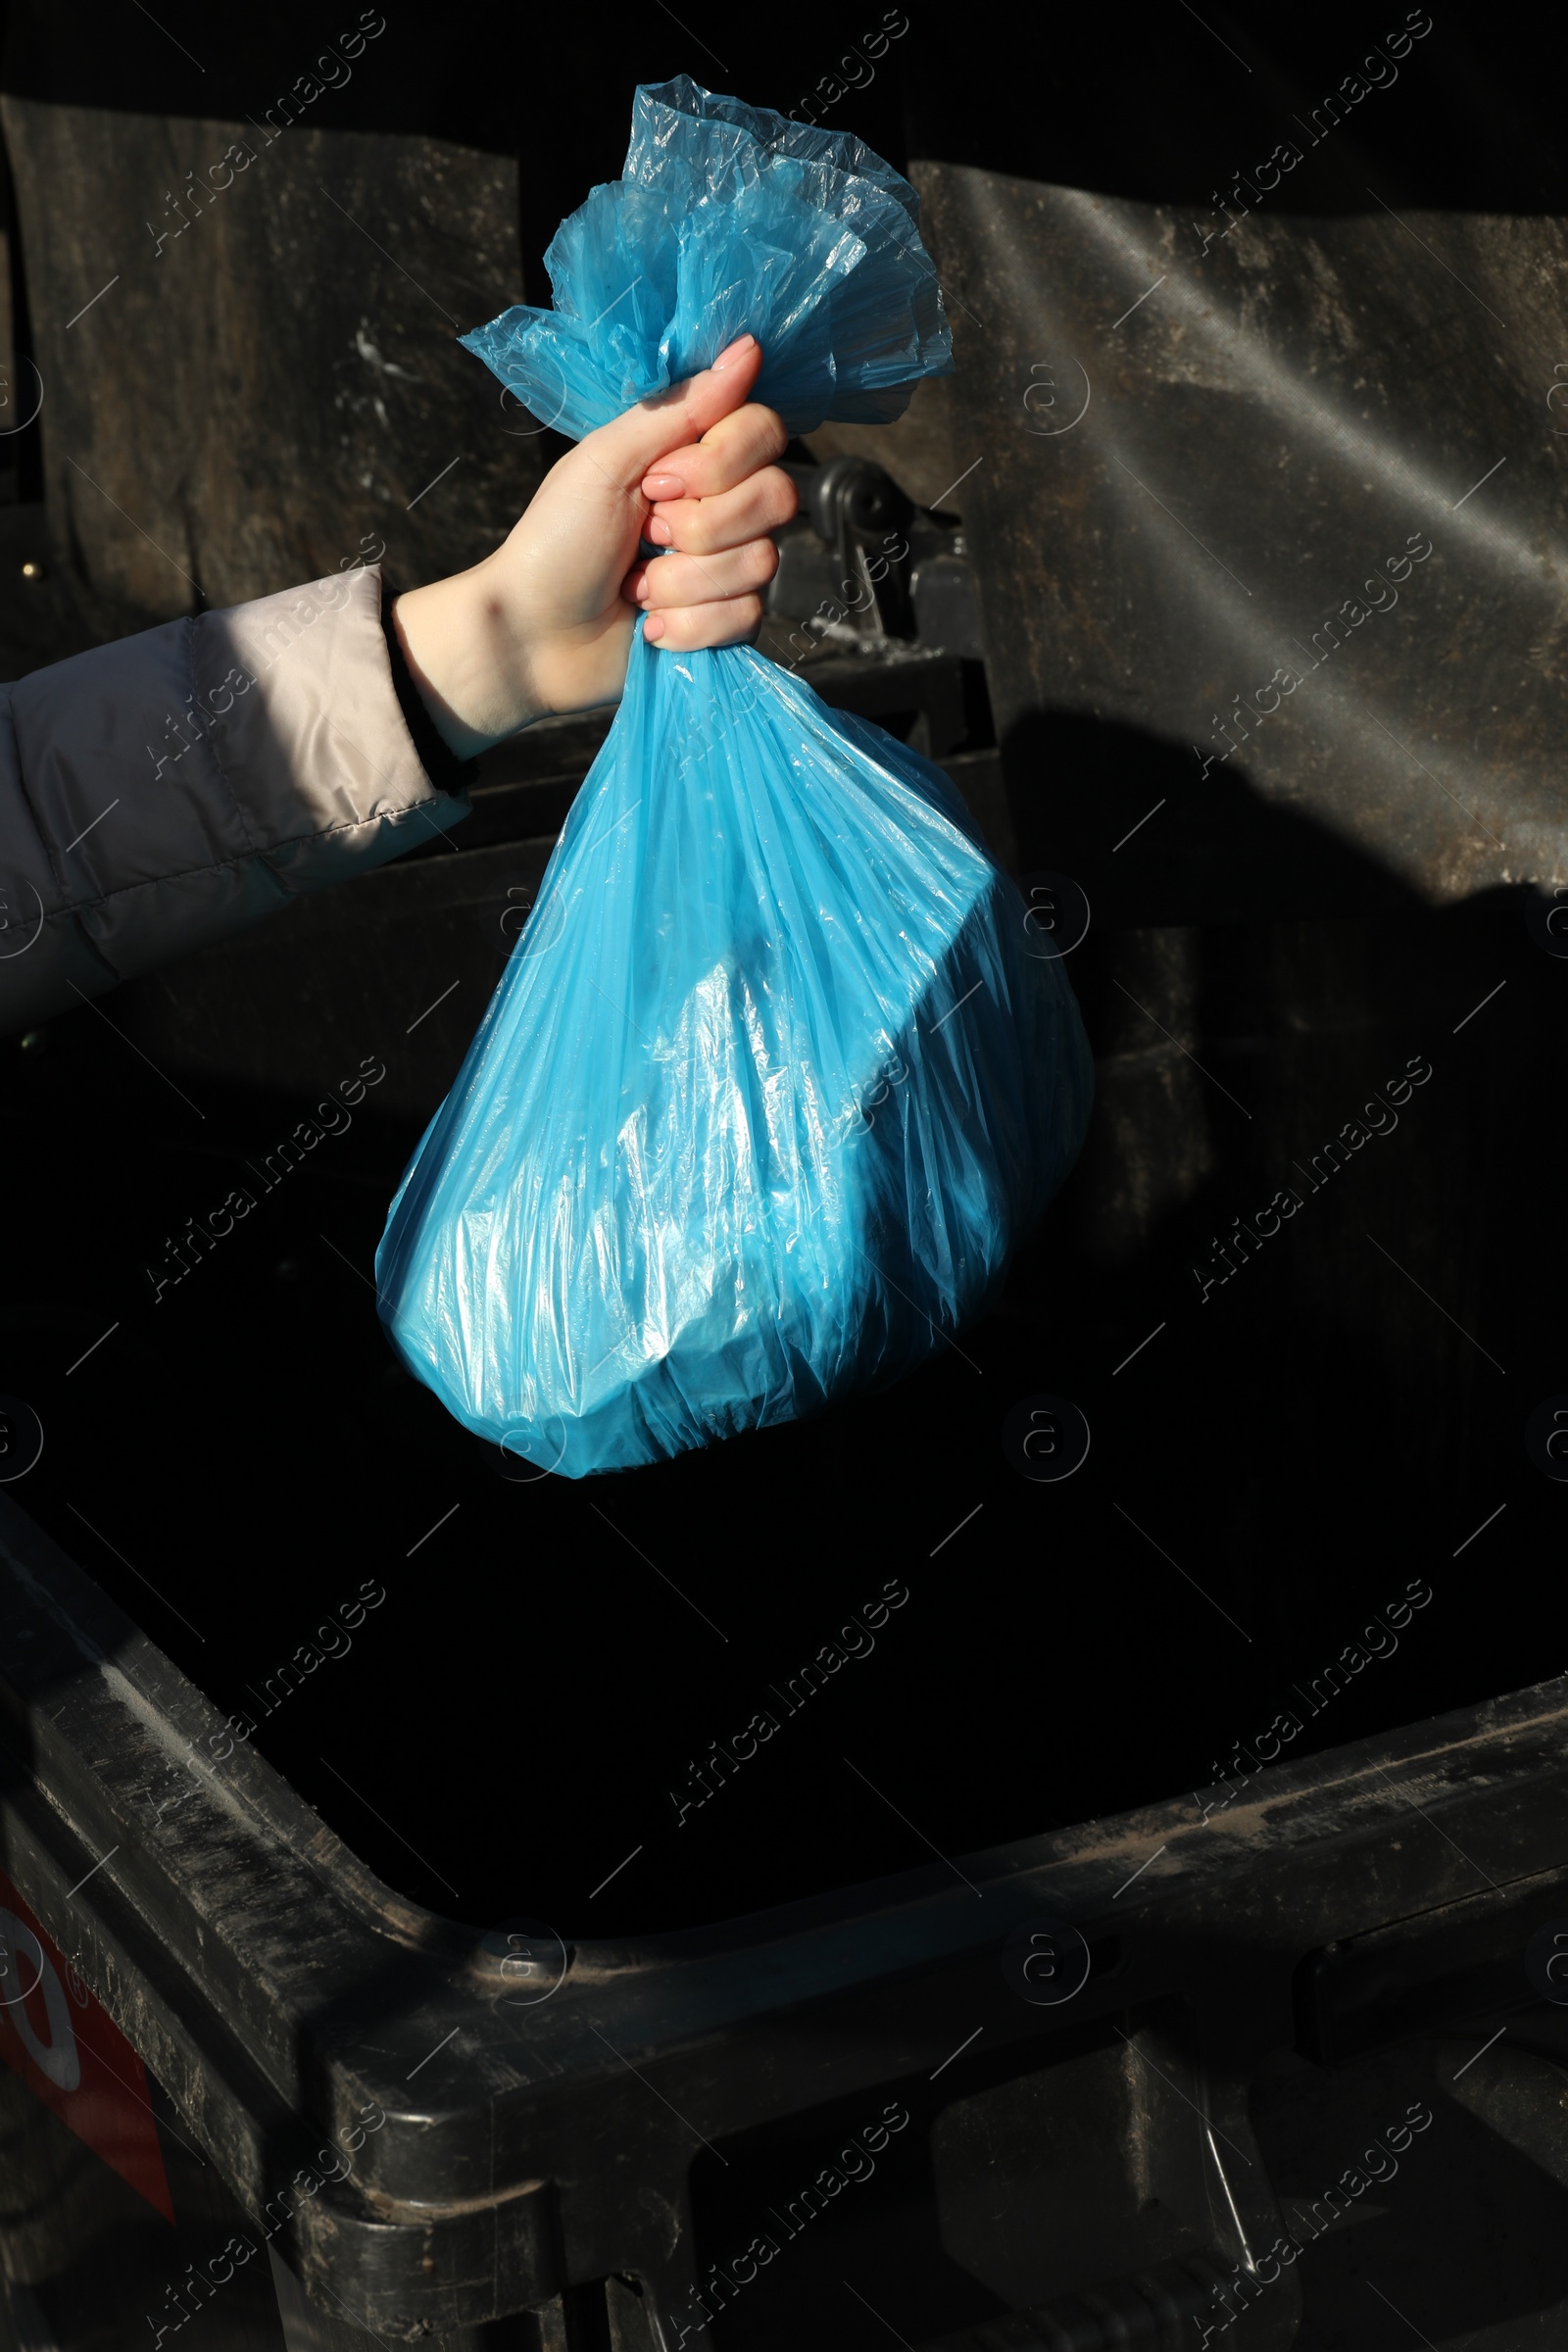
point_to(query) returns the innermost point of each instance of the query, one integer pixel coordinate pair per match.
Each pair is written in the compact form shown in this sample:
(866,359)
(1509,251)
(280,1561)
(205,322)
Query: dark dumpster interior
(552,1659)
(1308,1493)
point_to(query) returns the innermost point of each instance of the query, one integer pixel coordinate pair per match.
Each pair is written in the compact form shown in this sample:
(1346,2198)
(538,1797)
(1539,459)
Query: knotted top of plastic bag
(729,220)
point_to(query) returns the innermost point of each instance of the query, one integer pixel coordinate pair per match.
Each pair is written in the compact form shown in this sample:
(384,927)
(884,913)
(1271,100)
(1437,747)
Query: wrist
(467,656)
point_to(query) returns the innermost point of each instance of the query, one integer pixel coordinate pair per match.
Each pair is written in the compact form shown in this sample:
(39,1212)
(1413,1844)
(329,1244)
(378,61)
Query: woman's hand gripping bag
(772,1082)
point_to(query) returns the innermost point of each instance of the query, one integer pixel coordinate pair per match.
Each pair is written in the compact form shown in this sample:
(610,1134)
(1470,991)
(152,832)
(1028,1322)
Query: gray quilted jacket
(160,792)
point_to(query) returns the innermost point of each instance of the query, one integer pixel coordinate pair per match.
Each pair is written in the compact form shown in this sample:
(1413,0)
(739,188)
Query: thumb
(629,445)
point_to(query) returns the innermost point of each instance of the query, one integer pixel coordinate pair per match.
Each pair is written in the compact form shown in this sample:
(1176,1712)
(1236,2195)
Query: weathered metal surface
(918,451)
(1267,533)
(274,390)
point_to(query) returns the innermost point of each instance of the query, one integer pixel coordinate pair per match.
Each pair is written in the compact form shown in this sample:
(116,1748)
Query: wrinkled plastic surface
(730,220)
(776,1074)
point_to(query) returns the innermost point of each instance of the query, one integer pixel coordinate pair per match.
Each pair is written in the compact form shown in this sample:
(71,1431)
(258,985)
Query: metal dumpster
(1039,1858)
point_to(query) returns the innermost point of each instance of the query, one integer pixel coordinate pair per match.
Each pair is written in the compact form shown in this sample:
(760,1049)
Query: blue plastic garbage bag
(776,1075)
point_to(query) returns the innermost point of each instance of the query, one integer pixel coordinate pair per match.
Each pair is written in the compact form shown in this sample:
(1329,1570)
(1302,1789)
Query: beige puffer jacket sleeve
(162,792)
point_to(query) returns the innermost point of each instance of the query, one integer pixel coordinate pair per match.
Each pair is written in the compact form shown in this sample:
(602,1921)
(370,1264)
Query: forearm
(170,789)
(467,649)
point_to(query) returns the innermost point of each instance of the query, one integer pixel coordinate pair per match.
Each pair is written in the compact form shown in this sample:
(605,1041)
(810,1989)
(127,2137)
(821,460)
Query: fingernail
(733,351)
(653,628)
(642,590)
(659,532)
(662,485)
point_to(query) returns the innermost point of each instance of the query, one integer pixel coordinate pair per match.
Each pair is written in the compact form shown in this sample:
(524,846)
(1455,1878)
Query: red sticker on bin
(68,2051)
